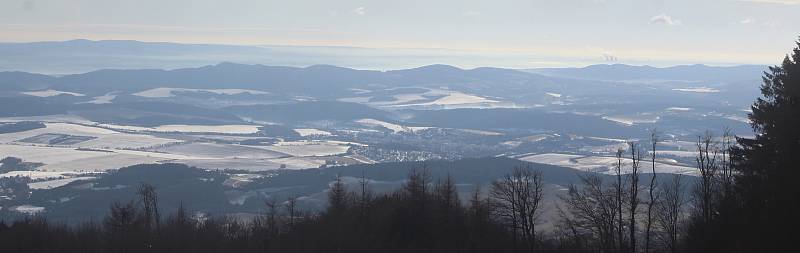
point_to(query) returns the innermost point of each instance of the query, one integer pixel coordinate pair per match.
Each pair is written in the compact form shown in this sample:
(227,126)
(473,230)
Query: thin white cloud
(361,11)
(787,2)
(747,21)
(664,19)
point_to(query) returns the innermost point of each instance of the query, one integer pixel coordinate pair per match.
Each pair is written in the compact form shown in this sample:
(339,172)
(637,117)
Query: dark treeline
(745,199)
(422,216)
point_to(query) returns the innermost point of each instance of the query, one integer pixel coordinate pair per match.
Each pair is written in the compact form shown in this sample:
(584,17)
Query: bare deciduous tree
(272,217)
(669,213)
(726,166)
(592,209)
(517,198)
(149,201)
(708,153)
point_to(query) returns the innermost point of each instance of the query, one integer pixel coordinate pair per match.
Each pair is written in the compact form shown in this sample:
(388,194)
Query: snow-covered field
(72,148)
(170,92)
(219,129)
(632,120)
(55,118)
(697,89)
(27,209)
(458,98)
(218,151)
(226,129)
(679,109)
(291,163)
(103,138)
(391,126)
(676,153)
(311,132)
(604,164)
(441,97)
(56,183)
(555,95)
(47,155)
(38,175)
(51,93)
(481,132)
(66,159)
(308,148)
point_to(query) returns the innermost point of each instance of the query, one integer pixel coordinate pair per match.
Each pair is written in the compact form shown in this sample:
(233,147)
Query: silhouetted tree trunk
(272,217)
(337,197)
(649,221)
(633,193)
(619,198)
(447,194)
(291,209)
(365,197)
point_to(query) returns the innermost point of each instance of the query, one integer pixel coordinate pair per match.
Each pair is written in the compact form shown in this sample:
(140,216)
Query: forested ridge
(744,200)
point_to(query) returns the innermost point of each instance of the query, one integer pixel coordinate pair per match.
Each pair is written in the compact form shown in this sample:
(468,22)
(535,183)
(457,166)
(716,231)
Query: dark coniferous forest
(745,200)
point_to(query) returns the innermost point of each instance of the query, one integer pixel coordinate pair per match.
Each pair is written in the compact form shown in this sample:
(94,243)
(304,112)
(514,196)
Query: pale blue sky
(551,32)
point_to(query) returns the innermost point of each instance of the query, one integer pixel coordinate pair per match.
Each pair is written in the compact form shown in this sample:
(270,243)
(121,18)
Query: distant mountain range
(622,72)
(80,56)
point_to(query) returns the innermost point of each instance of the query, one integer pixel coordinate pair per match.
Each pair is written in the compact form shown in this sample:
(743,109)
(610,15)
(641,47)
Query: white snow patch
(556,95)
(697,89)
(391,126)
(169,92)
(56,183)
(308,148)
(311,132)
(606,139)
(742,119)
(27,209)
(51,93)
(632,120)
(480,132)
(679,109)
(604,164)
(677,153)
(228,129)
(458,98)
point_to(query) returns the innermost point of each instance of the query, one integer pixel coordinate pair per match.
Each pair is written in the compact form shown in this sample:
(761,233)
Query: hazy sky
(551,32)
